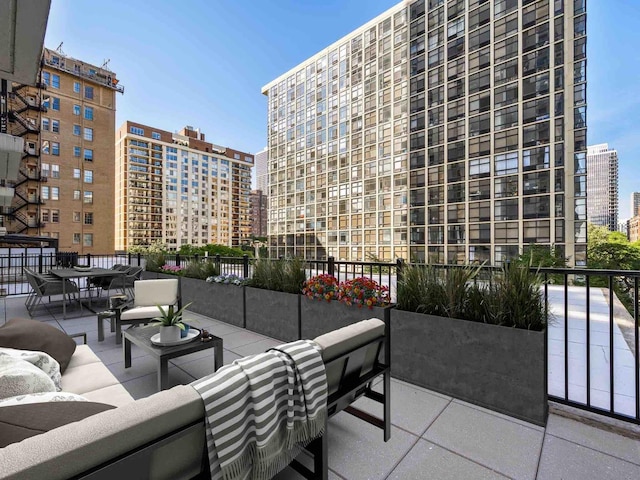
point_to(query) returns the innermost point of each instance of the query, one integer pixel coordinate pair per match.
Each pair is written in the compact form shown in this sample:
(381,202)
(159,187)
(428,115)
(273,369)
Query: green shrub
(155,261)
(200,269)
(285,275)
(512,297)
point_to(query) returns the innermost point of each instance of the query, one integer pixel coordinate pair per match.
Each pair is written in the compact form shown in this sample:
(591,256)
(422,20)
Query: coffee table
(141,336)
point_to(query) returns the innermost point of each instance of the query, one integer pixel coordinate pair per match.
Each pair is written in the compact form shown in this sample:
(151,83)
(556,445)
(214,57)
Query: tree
(542,256)
(611,250)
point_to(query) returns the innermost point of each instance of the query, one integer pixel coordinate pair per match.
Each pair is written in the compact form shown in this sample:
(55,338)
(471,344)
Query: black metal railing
(592,334)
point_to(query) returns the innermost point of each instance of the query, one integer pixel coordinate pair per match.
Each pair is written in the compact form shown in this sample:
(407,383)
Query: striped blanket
(262,409)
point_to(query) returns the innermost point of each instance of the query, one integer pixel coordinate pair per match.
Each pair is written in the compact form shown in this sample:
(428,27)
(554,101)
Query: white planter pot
(169,334)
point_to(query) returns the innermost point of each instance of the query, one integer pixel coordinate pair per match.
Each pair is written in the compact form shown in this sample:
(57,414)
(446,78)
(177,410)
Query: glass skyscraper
(441,131)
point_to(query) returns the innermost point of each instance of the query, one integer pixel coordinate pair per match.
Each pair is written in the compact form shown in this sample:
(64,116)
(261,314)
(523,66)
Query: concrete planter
(319,317)
(496,367)
(274,314)
(220,302)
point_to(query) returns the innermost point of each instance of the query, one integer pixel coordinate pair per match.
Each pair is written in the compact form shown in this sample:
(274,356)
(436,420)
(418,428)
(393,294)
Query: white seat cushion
(83,356)
(138,313)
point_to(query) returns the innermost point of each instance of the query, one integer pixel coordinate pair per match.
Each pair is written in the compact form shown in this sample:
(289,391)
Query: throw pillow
(19,377)
(42,397)
(43,361)
(25,334)
(23,421)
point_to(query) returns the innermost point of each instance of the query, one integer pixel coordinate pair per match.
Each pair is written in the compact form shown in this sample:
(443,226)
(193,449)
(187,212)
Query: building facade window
(55,171)
(76,87)
(55,193)
(76,151)
(76,173)
(88,113)
(55,148)
(76,109)
(88,155)
(88,218)
(55,126)
(76,194)
(88,176)
(88,134)
(136,131)
(76,238)
(88,92)
(155,135)
(88,197)
(88,239)
(77,130)
(76,216)
(55,81)
(55,103)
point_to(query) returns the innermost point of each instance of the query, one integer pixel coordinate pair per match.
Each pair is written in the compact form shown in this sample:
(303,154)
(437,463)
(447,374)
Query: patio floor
(433,436)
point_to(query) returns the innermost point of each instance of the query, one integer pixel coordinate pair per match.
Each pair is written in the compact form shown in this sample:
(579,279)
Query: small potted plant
(171,323)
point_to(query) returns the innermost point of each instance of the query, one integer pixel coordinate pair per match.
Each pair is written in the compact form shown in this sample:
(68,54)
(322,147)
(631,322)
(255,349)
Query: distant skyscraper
(602,186)
(262,175)
(258,205)
(635,203)
(442,131)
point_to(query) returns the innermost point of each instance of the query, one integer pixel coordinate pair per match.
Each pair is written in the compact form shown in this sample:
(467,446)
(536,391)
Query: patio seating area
(433,436)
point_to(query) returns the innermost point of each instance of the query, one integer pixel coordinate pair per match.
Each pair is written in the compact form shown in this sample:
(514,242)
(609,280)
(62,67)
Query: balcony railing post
(218,267)
(399,266)
(331,266)
(245,265)
(39,263)
(177,259)
(88,259)
(139,259)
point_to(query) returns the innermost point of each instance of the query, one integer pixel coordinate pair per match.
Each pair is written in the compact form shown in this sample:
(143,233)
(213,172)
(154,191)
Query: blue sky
(203,62)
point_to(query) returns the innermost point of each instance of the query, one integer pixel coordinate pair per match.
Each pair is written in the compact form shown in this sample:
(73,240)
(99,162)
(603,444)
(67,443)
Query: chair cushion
(153,292)
(25,334)
(18,422)
(138,313)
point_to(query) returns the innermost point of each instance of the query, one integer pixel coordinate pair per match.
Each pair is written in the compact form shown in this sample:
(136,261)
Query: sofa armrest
(98,441)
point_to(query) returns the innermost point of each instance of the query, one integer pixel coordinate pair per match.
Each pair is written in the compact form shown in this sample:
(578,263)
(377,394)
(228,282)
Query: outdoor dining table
(71,273)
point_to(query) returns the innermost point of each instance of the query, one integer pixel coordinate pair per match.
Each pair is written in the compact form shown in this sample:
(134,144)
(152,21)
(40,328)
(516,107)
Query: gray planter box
(500,368)
(319,317)
(274,314)
(220,302)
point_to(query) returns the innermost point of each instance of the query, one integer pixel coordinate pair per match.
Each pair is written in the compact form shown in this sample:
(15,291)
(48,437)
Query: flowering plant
(171,269)
(364,291)
(321,287)
(227,279)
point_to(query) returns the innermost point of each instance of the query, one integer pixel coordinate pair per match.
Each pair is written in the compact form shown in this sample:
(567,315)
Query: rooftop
(433,435)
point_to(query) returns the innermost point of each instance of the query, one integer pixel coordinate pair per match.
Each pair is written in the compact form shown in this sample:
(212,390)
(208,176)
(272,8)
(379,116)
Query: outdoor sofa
(163,437)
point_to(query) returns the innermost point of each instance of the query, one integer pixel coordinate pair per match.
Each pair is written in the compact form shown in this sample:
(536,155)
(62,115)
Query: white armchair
(148,294)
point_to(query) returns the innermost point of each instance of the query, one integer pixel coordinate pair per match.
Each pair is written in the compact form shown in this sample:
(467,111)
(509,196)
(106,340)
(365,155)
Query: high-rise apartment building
(634,204)
(258,201)
(262,173)
(65,184)
(178,189)
(602,186)
(439,131)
